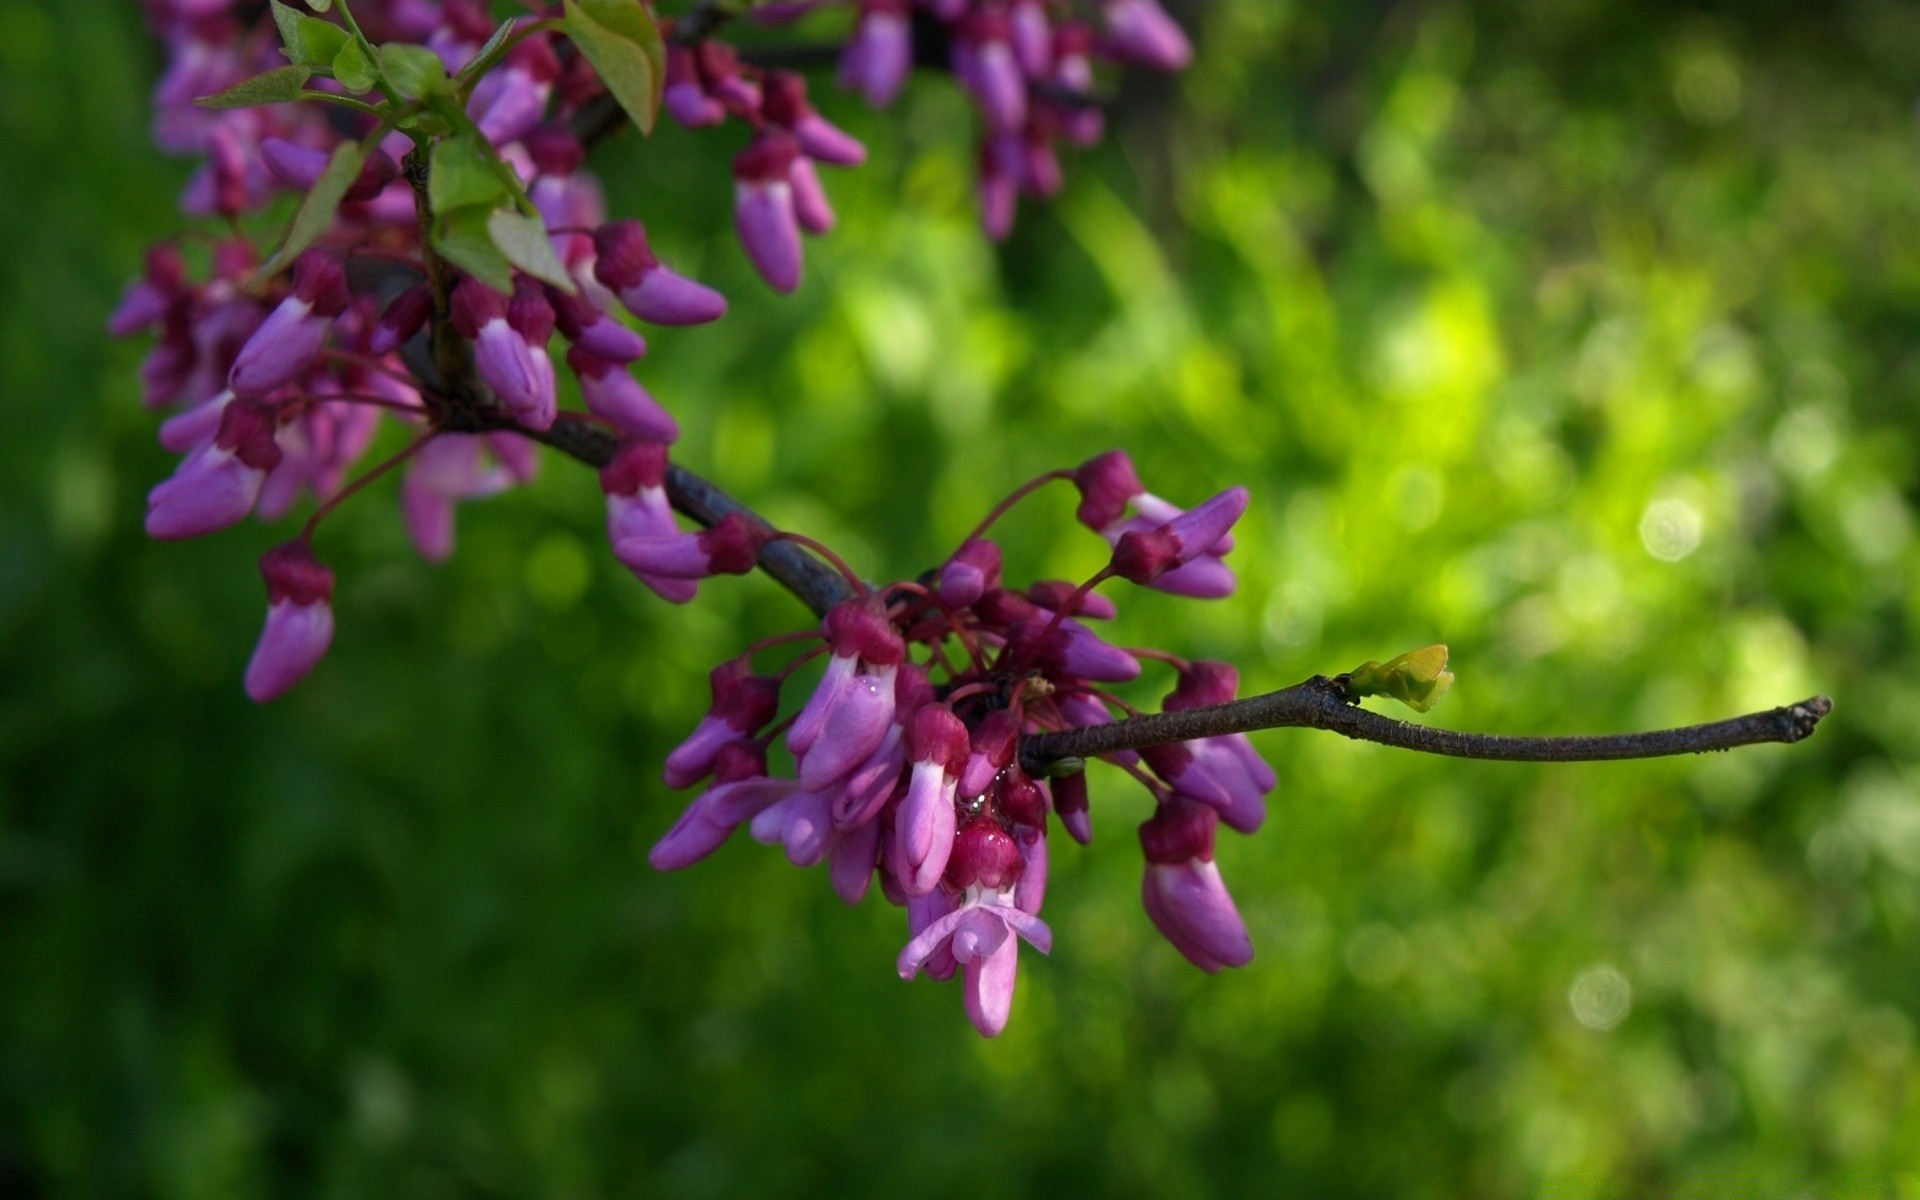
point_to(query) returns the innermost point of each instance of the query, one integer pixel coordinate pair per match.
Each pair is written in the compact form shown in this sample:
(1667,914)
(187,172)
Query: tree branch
(1324,703)
(817,585)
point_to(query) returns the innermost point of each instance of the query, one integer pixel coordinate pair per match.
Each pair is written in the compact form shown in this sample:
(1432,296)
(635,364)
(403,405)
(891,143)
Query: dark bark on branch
(1324,703)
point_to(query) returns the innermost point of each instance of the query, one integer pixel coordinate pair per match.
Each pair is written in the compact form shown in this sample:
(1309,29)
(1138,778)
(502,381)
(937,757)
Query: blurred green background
(1582,336)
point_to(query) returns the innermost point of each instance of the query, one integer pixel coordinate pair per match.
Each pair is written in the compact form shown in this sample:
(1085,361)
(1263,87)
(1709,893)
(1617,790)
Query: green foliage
(316,208)
(309,41)
(621,40)
(414,71)
(1417,679)
(268,87)
(1602,314)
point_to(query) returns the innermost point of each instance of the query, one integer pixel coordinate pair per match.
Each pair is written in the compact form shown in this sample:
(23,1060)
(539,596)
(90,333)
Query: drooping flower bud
(984,855)
(217,484)
(879,56)
(611,391)
(741,791)
(783,100)
(626,265)
(637,507)
(288,341)
(1140,32)
(763,207)
(403,318)
(299,620)
(1183,892)
(592,330)
(966,576)
(994,744)
(743,703)
(730,547)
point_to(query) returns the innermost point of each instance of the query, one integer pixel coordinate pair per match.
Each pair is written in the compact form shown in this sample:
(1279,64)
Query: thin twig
(1323,703)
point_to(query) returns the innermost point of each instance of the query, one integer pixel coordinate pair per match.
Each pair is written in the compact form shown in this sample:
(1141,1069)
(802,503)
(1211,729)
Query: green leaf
(414,71)
(462,175)
(271,87)
(320,6)
(482,59)
(463,239)
(316,210)
(353,69)
(524,240)
(621,40)
(1416,679)
(310,42)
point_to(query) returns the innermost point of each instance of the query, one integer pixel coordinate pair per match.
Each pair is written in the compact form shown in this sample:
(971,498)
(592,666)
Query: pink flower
(730,547)
(978,927)
(848,715)
(451,468)
(742,704)
(1183,892)
(638,508)
(1140,32)
(217,484)
(287,342)
(741,791)
(299,620)
(763,207)
(923,829)
(611,391)
(626,265)
(879,56)
(783,101)
(510,346)
(966,576)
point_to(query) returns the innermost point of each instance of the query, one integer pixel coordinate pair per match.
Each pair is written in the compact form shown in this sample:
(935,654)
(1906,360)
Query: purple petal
(693,758)
(664,297)
(295,638)
(763,216)
(810,204)
(854,854)
(826,142)
(872,783)
(211,490)
(676,557)
(988,988)
(284,345)
(812,718)
(1189,904)
(854,728)
(922,947)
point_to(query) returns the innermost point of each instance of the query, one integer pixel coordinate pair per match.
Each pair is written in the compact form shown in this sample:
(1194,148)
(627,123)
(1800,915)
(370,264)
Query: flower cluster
(447,220)
(906,754)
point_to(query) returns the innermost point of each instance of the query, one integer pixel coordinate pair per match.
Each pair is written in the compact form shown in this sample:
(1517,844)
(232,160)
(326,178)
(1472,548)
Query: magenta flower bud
(626,265)
(811,208)
(299,620)
(637,507)
(783,101)
(1107,483)
(288,341)
(743,703)
(509,346)
(1022,801)
(1055,594)
(997,189)
(149,298)
(1070,803)
(763,209)
(719,66)
(1031,37)
(983,61)
(448,469)
(1145,556)
(851,728)
(851,859)
(593,331)
(218,484)
(1072,648)
(879,56)
(965,577)
(731,547)
(984,855)
(1204,684)
(1073,72)
(800,822)
(912,691)
(611,391)
(1031,891)
(685,97)
(858,798)
(403,318)
(1140,32)
(187,431)
(994,743)
(741,791)
(510,102)
(1183,892)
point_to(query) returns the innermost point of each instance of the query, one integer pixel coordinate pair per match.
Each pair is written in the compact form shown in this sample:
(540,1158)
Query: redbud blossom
(763,209)
(743,703)
(287,342)
(1183,892)
(626,265)
(299,620)
(217,484)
